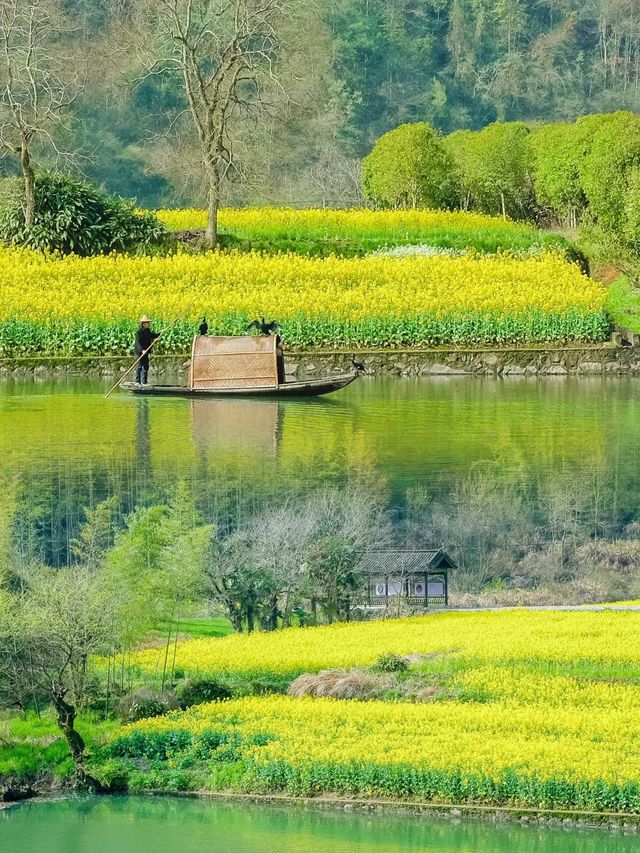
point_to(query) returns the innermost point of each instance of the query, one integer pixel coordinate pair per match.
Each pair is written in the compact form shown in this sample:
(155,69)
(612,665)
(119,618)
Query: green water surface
(138,825)
(547,457)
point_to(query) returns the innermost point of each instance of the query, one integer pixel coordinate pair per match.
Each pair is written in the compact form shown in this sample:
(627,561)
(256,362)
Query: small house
(417,578)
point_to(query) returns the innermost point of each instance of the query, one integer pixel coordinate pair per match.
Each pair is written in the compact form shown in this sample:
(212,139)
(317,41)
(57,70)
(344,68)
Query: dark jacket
(144,339)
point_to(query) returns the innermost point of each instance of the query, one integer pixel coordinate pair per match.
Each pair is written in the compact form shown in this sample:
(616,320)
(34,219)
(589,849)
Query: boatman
(144,338)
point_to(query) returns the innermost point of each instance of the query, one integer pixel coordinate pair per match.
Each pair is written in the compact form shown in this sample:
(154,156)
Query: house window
(378,587)
(418,588)
(436,588)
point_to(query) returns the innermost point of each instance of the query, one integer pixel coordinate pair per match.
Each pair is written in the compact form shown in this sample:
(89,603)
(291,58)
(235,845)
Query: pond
(138,825)
(493,469)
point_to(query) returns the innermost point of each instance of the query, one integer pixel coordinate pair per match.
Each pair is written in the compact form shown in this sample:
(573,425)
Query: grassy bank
(623,304)
(33,751)
(357,232)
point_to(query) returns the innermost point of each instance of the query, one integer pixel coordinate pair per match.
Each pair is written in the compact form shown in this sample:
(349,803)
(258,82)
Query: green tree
(410,167)
(160,559)
(459,145)
(613,155)
(51,628)
(557,162)
(495,168)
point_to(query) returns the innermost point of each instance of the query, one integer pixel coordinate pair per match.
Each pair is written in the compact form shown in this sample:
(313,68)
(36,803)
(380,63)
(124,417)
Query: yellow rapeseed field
(542,636)
(355,222)
(33,286)
(551,741)
(542,709)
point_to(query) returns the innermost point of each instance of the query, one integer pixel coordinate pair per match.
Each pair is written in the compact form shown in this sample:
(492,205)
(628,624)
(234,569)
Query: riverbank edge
(527,361)
(570,818)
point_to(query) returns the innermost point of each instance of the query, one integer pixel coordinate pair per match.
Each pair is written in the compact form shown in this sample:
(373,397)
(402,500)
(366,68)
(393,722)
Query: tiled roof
(404,562)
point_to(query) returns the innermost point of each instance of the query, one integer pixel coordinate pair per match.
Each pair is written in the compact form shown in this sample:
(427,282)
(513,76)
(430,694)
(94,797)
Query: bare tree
(39,81)
(225,53)
(280,538)
(50,630)
(345,522)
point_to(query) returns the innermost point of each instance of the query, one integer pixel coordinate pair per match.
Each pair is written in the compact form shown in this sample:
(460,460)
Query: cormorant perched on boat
(265,328)
(203,328)
(359,366)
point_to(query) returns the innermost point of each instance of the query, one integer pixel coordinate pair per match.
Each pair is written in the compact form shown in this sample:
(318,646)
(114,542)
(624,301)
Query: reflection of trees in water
(518,518)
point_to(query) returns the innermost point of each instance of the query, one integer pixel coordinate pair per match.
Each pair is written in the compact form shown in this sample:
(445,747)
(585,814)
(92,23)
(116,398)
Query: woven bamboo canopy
(233,362)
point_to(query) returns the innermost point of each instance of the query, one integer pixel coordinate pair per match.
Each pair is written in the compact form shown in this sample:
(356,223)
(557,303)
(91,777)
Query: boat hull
(305,388)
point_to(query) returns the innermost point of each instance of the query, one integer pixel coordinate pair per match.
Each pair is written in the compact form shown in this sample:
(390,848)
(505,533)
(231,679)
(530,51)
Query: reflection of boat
(236,425)
(250,366)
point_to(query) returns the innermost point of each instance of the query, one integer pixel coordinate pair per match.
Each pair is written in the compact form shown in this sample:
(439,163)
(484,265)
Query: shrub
(198,691)
(152,746)
(73,217)
(410,167)
(609,165)
(558,155)
(391,663)
(144,702)
(495,169)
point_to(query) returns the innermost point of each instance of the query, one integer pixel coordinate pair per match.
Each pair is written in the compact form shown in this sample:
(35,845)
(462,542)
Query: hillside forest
(354,70)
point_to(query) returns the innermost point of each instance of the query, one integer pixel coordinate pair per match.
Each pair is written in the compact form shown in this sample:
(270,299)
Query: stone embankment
(602,359)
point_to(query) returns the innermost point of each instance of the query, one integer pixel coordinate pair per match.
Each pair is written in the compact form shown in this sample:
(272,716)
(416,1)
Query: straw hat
(144,319)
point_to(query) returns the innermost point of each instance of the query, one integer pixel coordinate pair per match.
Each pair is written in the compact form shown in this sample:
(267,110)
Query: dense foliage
(493,169)
(368,67)
(410,167)
(89,305)
(73,216)
(565,172)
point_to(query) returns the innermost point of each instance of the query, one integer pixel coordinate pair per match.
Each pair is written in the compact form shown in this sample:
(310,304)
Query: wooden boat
(242,366)
(304,388)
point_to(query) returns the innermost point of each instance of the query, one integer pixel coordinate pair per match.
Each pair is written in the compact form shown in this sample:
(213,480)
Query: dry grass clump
(340,684)
(366,685)
(575,592)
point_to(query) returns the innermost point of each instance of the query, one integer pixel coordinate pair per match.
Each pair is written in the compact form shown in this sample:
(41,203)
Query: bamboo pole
(139,359)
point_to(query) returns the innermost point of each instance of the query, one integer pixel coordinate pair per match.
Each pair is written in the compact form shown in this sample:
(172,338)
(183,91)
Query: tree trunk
(66,718)
(211,234)
(29,184)
(235,617)
(273,613)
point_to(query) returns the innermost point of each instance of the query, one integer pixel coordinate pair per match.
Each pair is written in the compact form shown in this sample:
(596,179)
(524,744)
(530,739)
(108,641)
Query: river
(493,469)
(139,825)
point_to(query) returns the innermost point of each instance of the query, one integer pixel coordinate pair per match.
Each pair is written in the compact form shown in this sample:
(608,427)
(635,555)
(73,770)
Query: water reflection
(236,426)
(537,479)
(157,825)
